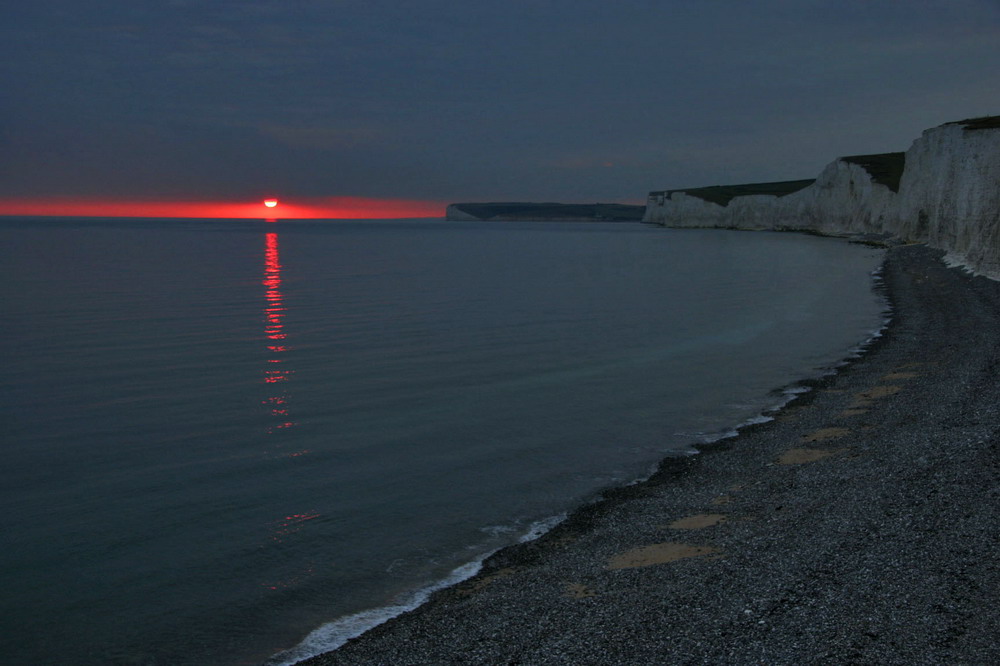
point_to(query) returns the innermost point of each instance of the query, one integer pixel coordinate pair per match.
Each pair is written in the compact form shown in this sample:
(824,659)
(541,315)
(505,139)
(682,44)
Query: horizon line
(296,208)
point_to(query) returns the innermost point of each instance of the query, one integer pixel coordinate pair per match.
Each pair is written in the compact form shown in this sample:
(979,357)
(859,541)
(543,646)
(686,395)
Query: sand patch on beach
(699,521)
(802,456)
(878,392)
(578,591)
(658,553)
(824,434)
(865,398)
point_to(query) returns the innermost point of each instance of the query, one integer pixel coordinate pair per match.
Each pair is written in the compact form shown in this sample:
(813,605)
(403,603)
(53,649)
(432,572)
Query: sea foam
(332,635)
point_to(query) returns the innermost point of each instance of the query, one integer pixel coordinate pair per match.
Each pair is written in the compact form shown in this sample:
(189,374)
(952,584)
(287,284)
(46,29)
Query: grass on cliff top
(983,122)
(884,168)
(723,194)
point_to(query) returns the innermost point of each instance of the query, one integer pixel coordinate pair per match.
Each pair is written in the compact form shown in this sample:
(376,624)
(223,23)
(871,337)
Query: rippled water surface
(220,435)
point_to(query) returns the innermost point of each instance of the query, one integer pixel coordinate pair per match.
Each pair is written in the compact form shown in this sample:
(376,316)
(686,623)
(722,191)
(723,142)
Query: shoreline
(794,541)
(331,635)
(338,632)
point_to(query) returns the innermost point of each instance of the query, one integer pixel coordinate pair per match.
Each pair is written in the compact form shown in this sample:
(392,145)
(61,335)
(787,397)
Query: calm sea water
(221,435)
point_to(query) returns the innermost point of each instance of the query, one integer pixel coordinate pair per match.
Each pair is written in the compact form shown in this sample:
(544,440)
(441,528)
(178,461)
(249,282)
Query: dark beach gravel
(858,527)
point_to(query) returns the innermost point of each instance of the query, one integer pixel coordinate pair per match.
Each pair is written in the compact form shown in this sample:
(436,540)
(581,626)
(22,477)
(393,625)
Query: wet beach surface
(857,527)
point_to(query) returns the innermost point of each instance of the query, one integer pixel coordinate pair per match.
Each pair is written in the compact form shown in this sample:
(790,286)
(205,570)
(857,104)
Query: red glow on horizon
(325,208)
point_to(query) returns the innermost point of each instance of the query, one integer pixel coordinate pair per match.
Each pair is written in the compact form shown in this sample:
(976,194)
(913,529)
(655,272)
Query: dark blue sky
(566,100)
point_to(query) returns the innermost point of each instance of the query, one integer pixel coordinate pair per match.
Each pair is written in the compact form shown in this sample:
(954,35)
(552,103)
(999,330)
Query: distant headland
(510,211)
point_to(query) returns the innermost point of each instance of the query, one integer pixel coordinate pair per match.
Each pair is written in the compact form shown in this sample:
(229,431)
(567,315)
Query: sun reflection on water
(291,570)
(274,333)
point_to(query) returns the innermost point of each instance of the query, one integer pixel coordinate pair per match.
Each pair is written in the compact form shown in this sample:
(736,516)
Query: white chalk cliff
(948,196)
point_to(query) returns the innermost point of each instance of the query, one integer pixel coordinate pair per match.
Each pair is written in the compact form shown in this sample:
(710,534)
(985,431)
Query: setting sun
(270,203)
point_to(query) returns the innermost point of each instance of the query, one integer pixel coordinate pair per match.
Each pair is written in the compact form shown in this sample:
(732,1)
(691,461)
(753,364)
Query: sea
(231,442)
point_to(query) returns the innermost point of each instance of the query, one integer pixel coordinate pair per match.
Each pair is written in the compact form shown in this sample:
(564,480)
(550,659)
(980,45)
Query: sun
(270,203)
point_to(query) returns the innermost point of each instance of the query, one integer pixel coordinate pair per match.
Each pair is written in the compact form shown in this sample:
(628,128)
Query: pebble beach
(857,526)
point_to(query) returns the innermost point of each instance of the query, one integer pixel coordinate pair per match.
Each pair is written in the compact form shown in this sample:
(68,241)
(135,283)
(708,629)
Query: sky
(417,104)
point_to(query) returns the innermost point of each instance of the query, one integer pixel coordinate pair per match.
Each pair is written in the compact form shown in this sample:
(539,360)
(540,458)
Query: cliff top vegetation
(884,168)
(983,122)
(723,194)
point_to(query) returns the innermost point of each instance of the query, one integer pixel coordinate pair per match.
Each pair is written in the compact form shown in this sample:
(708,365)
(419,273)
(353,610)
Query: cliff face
(843,198)
(454,212)
(948,196)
